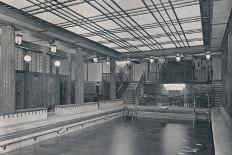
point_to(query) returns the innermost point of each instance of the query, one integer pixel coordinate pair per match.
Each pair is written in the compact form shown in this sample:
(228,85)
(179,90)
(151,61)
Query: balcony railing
(138,89)
(196,76)
(119,77)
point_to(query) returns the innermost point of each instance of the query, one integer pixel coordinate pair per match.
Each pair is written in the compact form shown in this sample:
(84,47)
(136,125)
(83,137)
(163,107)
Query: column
(44,77)
(112,80)
(7,70)
(26,83)
(79,77)
(229,72)
(68,90)
(130,71)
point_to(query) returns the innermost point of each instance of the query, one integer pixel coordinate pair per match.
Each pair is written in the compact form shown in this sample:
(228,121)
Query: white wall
(94,72)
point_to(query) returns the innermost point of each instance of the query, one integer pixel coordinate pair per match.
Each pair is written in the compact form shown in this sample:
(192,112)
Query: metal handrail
(137,89)
(123,86)
(126,78)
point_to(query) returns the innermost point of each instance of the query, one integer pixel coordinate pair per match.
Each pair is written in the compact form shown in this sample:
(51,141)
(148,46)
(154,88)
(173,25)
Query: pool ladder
(195,111)
(129,112)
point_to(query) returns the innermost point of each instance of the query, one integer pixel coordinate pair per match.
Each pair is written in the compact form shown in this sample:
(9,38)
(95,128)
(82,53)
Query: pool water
(144,136)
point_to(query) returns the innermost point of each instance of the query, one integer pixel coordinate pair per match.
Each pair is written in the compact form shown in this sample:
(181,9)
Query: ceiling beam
(18,18)
(60,54)
(40,48)
(166,52)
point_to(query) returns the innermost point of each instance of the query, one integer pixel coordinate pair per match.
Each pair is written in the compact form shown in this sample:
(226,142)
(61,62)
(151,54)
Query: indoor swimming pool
(144,136)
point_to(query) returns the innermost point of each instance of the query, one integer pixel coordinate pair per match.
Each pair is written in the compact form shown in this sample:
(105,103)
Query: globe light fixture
(108,61)
(53,48)
(18,39)
(27,58)
(177,58)
(151,60)
(207,56)
(128,61)
(95,60)
(57,63)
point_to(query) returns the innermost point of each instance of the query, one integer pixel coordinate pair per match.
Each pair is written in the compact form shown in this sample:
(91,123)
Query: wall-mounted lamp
(178,58)
(57,63)
(18,39)
(108,61)
(95,60)
(27,58)
(208,56)
(53,48)
(152,60)
(128,61)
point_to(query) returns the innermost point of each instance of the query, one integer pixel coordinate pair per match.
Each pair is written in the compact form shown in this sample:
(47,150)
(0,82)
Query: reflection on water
(172,138)
(145,136)
(122,141)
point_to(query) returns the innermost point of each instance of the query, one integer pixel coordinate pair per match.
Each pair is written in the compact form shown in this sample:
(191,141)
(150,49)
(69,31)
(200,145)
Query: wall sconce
(128,61)
(207,56)
(57,63)
(18,39)
(108,61)
(95,60)
(53,48)
(27,58)
(152,60)
(178,58)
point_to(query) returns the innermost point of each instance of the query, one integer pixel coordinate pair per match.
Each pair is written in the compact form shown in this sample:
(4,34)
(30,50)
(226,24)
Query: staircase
(217,93)
(128,93)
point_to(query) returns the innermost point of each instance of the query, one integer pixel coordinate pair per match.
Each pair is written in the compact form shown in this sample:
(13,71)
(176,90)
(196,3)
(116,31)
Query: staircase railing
(122,87)
(138,89)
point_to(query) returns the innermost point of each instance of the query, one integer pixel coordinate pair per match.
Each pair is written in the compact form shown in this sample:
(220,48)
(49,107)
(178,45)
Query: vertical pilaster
(130,71)
(223,71)
(112,80)
(79,77)
(51,65)
(68,90)
(229,72)
(44,76)
(7,70)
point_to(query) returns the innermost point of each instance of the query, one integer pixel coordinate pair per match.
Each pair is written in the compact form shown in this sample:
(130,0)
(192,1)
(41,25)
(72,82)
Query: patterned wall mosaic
(36,63)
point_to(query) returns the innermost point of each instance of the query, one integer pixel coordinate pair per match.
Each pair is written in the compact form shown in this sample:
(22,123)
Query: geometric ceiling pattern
(123,25)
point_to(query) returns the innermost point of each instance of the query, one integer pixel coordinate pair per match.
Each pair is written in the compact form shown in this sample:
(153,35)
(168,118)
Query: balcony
(197,76)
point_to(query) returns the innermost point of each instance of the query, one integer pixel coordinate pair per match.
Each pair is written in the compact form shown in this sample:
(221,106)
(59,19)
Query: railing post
(134,95)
